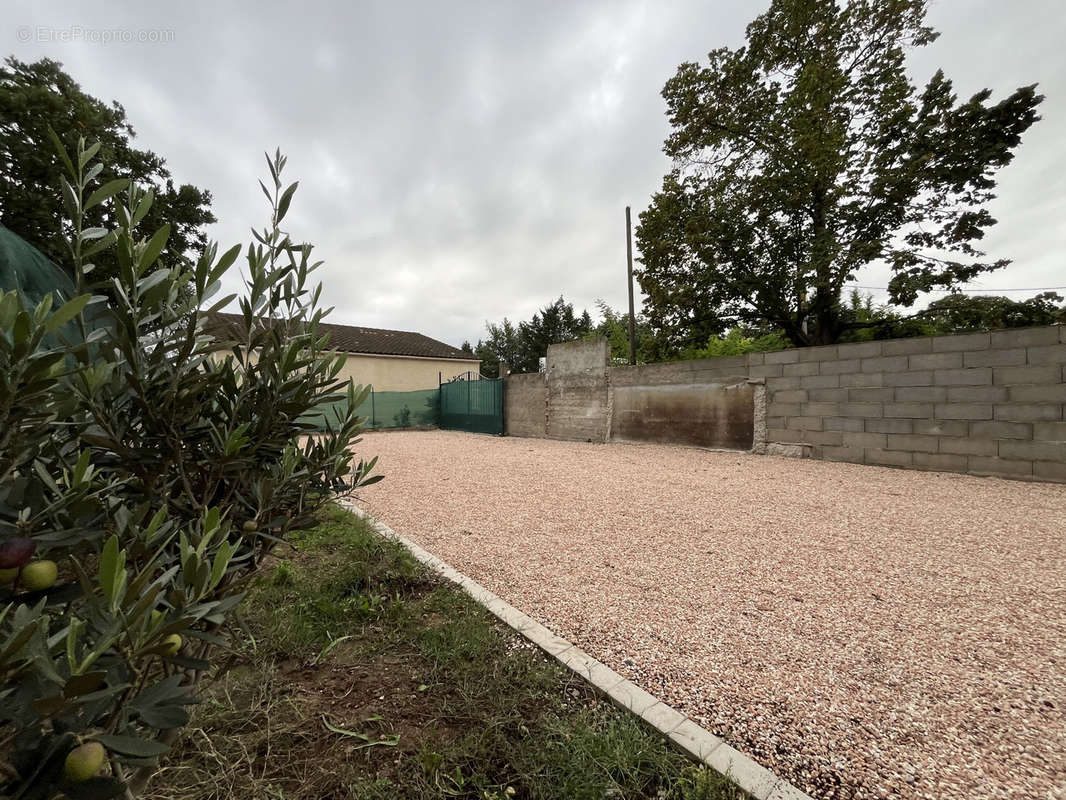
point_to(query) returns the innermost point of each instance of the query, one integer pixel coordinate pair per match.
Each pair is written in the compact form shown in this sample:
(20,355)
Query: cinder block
(871,395)
(885,364)
(861,410)
(780,435)
(1026,337)
(1049,471)
(1001,430)
(782,357)
(804,423)
(1037,451)
(820,381)
(889,458)
(909,378)
(838,367)
(913,442)
(909,410)
(966,341)
(826,353)
(755,359)
(790,396)
(944,462)
(980,376)
(775,422)
(828,395)
(905,347)
(1049,431)
(1029,412)
(859,350)
(821,409)
(1008,376)
(851,379)
(921,394)
(764,371)
(995,358)
(1051,354)
(850,454)
(889,425)
(820,438)
(942,427)
(861,440)
(977,394)
(969,446)
(963,411)
(936,361)
(783,409)
(982,465)
(842,424)
(1039,393)
(777,384)
(798,370)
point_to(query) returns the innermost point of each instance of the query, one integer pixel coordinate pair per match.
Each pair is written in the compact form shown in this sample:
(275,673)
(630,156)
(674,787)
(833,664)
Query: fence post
(373,421)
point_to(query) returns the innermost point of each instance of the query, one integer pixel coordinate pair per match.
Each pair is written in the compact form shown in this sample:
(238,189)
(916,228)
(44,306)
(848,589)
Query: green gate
(472,403)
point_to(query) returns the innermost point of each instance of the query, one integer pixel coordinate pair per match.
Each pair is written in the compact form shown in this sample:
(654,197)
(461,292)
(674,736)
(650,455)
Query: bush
(156,460)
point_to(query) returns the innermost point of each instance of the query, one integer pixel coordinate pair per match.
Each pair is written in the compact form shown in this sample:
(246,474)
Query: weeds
(365,678)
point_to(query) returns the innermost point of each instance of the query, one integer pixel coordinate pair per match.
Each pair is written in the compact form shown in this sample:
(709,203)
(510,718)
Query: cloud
(460,162)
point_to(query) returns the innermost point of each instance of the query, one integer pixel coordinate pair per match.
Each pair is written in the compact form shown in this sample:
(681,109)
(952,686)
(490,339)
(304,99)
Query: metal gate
(472,403)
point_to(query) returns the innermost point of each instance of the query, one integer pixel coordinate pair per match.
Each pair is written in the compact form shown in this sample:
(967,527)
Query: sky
(460,162)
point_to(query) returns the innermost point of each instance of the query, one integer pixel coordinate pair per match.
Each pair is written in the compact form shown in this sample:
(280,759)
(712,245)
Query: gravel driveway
(862,631)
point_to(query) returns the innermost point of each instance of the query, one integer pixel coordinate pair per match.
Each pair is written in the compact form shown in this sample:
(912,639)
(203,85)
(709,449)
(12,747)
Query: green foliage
(513,723)
(522,347)
(808,154)
(614,327)
(38,97)
(736,343)
(158,461)
(960,312)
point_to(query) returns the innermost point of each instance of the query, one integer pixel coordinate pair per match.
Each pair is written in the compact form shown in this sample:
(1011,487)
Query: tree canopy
(808,154)
(36,97)
(522,346)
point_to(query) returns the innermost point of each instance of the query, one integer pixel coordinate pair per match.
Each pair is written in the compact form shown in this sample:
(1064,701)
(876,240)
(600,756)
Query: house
(393,361)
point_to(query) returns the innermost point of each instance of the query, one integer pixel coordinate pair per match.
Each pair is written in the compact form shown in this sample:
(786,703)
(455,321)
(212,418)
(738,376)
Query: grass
(364,677)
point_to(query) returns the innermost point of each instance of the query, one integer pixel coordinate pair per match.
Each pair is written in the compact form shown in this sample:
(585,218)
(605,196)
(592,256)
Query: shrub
(157,460)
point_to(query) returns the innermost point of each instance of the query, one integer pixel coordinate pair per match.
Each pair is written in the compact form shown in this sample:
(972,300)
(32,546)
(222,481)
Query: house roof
(380,341)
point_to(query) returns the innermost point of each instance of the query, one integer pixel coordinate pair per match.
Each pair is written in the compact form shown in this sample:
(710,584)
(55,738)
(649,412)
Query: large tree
(36,97)
(806,155)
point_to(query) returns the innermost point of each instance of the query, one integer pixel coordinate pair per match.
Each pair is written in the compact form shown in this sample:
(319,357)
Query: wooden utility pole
(629,265)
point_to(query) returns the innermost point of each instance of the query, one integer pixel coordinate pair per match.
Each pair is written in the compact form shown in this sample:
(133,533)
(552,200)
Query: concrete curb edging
(699,743)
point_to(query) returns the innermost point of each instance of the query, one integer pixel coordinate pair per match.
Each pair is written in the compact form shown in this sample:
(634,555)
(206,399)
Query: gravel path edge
(697,742)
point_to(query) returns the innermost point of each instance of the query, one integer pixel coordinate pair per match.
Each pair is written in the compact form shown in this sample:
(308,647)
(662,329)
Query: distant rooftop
(380,342)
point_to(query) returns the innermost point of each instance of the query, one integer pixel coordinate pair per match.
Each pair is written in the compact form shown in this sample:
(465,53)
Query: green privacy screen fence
(472,405)
(389,410)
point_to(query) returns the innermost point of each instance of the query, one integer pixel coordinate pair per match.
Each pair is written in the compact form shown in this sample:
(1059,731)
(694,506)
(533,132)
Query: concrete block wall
(982,403)
(577,391)
(525,405)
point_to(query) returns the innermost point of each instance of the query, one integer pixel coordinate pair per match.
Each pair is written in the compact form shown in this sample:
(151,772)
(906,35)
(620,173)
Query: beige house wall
(402,373)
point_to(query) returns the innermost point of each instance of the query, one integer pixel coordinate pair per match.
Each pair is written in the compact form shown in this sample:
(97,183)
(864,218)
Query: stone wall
(985,403)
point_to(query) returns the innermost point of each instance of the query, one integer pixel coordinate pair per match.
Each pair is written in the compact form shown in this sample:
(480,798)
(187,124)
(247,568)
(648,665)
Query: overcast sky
(461,162)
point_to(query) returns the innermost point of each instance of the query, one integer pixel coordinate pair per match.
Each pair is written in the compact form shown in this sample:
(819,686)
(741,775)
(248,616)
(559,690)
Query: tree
(147,469)
(39,96)
(960,312)
(522,347)
(614,327)
(808,154)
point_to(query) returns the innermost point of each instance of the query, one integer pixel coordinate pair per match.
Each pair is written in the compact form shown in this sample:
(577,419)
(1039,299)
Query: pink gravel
(864,632)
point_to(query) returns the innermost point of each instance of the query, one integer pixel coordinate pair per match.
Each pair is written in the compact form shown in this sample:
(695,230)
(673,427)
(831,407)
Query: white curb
(699,743)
